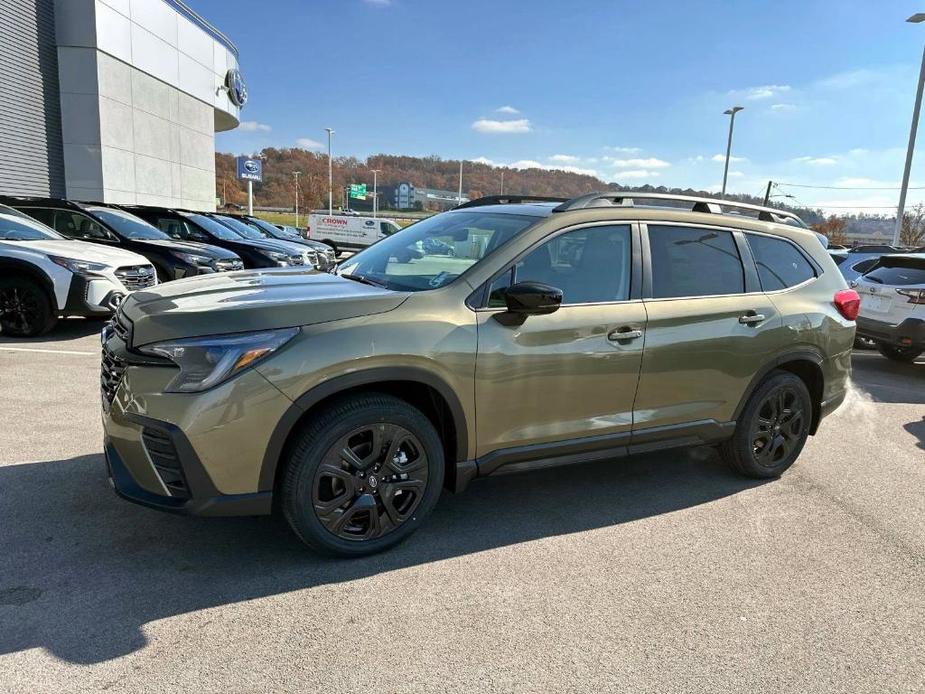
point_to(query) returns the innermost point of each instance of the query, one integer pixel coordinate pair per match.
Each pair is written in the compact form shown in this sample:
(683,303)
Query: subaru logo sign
(250,169)
(234,85)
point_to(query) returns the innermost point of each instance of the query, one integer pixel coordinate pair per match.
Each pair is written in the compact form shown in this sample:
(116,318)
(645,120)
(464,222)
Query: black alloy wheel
(370,481)
(24,309)
(772,428)
(362,475)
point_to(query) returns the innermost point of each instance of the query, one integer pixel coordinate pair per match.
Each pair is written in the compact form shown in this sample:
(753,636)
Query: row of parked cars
(65,258)
(891,284)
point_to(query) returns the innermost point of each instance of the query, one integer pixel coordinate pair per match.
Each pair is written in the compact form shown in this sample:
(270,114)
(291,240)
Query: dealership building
(114,100)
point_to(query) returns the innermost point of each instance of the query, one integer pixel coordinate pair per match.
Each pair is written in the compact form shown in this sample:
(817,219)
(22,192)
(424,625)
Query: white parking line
(48,351)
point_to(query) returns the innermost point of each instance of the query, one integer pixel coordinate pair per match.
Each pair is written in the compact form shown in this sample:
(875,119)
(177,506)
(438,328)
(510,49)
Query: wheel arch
(804,363)
(33,272)
(419,387)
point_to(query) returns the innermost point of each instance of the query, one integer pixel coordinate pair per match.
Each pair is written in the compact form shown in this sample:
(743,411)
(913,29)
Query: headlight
(276,257)
(77,265)
(207,361)
(193,259)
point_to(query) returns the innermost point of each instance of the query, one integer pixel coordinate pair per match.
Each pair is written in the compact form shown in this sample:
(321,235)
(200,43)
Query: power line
(804,185)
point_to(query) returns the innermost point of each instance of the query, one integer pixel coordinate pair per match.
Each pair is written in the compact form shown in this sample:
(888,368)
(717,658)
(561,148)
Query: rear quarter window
(780,264)
(897,276)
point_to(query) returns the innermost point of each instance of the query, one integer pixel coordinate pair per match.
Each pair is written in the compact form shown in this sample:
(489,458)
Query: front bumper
(92,296)
(188,453)
(909,333)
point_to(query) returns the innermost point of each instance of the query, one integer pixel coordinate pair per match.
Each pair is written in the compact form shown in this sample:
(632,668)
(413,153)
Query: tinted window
(694,262)
(898,275)
(46,217)
(839,259)
(780,264)
(243,229)
(128,225)
(589,265)
(865,265)
(217,229)
(14,227)
(75,225)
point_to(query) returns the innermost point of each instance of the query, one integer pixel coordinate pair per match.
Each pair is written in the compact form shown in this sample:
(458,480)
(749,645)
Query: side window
(386,228)
(589,265)
(689,261)
(497,289)
(780,264)
(865,265)
(79,226)
(45,216)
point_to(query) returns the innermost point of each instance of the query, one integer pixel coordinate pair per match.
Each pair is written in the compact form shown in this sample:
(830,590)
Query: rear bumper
(909,333)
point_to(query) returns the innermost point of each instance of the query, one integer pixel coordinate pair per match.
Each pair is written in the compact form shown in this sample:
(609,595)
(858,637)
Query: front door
(569,374)
(707,335)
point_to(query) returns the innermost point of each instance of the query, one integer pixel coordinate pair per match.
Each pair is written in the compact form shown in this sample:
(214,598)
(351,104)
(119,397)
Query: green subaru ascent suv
(509,333)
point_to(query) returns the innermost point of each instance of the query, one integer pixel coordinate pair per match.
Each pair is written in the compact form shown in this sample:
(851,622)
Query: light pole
(459,196)
(502,181)
(914,19)
(330,174)
(731,112)
(375,192)
(296,174)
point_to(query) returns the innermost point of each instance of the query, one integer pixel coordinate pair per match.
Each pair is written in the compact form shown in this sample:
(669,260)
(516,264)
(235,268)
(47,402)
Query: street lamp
(375,192)
(731,112)
(917,18)
(296,174)
(330,174)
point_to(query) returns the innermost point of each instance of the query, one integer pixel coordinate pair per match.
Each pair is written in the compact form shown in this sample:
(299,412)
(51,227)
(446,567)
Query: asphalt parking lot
(660,573)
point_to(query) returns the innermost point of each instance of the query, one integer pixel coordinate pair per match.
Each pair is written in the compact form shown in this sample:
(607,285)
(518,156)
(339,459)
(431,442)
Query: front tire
(773,428)
(25,308)
(906,355)
(362,475)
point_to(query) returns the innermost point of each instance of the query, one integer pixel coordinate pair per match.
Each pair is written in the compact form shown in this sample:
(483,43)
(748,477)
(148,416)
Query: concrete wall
(141,100)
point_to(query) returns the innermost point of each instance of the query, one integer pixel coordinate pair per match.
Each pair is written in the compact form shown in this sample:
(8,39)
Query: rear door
(893,291)
(710,329)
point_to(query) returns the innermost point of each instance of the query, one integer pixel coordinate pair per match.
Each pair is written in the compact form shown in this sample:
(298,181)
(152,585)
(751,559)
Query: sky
(632,92)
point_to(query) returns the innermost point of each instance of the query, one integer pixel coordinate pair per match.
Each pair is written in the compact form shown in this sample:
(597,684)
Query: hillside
(278,190)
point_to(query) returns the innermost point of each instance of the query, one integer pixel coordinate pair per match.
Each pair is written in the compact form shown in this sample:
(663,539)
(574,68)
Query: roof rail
(698,204)
(508,199)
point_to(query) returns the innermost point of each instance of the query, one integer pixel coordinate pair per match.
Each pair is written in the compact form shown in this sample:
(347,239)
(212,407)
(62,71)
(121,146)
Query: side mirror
(532,299)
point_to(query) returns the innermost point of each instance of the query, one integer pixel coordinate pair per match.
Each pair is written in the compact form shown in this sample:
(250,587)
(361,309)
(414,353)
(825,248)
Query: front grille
(122,327)
(296,260)
(311,258)
(112,368)
(228,264)
(166,461)
(137,276)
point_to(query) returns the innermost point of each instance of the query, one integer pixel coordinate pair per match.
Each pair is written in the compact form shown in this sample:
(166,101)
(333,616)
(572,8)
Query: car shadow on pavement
(64,331)
(888,381)
(83,571)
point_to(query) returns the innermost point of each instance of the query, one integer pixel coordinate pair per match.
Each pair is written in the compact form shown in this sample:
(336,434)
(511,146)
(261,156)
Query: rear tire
(907,355)
(773,427)
(362,476)
(25,308)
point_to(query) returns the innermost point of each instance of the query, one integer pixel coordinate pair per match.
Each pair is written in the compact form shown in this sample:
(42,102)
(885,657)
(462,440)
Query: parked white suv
(44,276)
(893,306)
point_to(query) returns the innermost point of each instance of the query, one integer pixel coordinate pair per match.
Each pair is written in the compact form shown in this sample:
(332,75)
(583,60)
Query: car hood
(82,250)
(188,247)
(248,300)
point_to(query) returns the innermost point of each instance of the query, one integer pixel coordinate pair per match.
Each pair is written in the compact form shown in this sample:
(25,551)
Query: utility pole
(375,193)
(459,196)
(767,193)
(502,181)
(915,19)
(731,112)
(296,174)
(330,174)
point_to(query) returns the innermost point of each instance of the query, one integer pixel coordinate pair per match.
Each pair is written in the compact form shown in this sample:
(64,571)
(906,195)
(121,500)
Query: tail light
(848,303)
(914,296)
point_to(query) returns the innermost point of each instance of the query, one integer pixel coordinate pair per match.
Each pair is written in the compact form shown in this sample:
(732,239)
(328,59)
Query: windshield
(435,251)
(128,225)
(243,229)
(16,227)
(267,228)
(217,229)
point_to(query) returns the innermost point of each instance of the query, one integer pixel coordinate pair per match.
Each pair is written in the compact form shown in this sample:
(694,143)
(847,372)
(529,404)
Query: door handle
(751,318)
(624,333)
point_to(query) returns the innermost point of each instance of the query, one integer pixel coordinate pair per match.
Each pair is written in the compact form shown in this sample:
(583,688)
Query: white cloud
(721,158)
(783,108)
(484,160)
(624,150)
(817,161)
(378,3)
(564,159)
(765,91)
(509,110)
(494,127)
(252,126)
(308,143)
(650,163)
(850,79)
(533,164)
(637,173)
(736,174)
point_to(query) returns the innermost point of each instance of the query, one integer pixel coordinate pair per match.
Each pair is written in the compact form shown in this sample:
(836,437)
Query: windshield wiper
(365,280)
